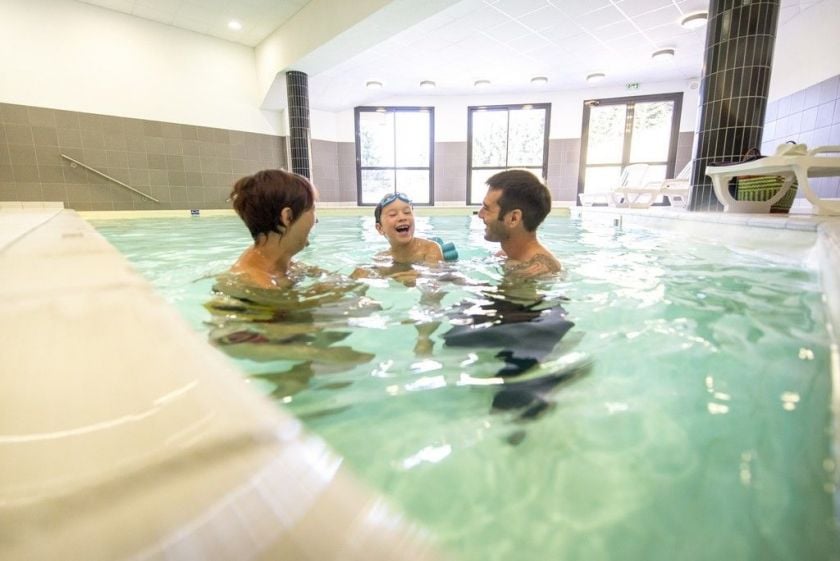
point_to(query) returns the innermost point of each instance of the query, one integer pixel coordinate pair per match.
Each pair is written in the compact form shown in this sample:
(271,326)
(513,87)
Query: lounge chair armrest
(824,150)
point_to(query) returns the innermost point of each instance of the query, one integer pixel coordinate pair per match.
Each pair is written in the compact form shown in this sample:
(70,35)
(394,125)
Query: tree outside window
(503,137)
(394,153)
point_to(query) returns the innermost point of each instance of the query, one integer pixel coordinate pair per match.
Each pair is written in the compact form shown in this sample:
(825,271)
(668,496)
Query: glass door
(618,132)
(395,152)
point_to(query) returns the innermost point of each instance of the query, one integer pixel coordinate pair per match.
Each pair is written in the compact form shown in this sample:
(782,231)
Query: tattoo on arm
(537,266)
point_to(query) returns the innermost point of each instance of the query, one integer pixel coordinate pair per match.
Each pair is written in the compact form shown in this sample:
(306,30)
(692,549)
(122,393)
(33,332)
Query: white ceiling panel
(528,43)
(668,16)
(484,18)
(577,8)
(505,41)
(509,30)
(615,30)
(545,17)
(639,7)
(600,18)
(517,8)
(632,41)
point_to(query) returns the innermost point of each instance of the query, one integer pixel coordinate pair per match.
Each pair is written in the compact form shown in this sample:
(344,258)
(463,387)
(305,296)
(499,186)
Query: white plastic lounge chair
(631,175)
(591,199)
(631,192)
(792,161)
(676,190)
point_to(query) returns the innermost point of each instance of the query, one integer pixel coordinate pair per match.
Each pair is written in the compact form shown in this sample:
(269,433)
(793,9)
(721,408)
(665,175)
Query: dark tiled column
(733,92)
(297,89)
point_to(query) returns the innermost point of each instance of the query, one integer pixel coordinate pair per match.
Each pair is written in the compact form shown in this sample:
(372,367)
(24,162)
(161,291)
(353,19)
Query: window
(502,137)
(395,152)
(618,132)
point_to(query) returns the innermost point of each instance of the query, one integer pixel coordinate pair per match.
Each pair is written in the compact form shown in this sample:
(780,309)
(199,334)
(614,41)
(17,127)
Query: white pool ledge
(124,434)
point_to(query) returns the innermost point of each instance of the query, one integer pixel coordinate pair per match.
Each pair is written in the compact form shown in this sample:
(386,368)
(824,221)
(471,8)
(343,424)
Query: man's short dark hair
(523,190)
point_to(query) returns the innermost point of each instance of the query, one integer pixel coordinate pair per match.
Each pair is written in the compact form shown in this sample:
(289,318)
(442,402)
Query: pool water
(701,430)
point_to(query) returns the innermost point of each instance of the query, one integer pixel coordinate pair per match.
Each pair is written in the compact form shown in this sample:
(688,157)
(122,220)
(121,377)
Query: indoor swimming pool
(697,424)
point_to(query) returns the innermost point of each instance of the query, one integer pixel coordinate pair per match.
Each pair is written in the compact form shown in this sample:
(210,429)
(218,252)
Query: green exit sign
(632,86)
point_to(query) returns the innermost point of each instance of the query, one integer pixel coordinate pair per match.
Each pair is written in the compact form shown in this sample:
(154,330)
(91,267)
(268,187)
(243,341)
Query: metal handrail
(74,163)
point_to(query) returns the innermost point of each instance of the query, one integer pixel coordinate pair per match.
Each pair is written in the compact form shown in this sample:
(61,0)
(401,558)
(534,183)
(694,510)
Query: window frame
(505,107)
(630,101)
(394,109)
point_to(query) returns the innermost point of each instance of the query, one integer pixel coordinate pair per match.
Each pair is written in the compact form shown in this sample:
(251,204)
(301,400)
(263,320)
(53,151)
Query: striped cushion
(762,188)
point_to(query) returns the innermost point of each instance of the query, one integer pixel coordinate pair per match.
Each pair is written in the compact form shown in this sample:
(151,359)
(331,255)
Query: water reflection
(509,328)
(304,324)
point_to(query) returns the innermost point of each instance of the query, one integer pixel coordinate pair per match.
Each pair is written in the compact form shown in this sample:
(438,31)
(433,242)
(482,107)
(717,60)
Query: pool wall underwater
(119,420)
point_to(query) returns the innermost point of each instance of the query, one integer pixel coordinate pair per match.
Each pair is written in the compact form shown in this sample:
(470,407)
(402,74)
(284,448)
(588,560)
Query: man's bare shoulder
(541,264)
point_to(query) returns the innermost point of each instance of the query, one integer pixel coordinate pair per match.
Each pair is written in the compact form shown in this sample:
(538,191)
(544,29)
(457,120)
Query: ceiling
(210,17)
(504,41)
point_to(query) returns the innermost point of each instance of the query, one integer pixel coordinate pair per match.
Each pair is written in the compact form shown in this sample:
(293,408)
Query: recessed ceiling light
(234,25)
(373,85)
(428,85)
(695,20)
(481,83)
(539,80)
(595,77)
(663,54)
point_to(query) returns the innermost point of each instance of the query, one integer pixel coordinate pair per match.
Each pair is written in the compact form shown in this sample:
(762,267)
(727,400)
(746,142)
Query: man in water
(516,204)
(525,329)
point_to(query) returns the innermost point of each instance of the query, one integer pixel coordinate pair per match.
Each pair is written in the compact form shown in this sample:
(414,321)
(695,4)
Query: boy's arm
(433,253)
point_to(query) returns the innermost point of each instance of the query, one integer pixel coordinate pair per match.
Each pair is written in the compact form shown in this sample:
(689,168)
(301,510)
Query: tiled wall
(563,168)
(183,166)
(334,170)
(325,169)
(810,116)
(451,172)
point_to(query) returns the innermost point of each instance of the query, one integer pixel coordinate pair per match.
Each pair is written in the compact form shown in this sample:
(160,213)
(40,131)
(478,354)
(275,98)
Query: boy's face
(397,222)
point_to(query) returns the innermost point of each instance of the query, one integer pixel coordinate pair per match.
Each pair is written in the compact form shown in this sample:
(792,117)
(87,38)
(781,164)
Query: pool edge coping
(59,273)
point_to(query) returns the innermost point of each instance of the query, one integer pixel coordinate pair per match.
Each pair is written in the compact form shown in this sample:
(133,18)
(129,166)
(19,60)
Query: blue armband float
(448,249)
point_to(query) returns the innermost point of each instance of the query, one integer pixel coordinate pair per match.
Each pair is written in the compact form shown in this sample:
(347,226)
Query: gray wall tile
(161,159)
(13,114)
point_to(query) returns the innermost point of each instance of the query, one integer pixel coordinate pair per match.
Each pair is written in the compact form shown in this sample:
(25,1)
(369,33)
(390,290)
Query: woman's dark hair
(258,199)
(523,190)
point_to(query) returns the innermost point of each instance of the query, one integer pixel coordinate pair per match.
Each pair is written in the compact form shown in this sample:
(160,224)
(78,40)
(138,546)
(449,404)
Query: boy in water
(394,217)
(395,220)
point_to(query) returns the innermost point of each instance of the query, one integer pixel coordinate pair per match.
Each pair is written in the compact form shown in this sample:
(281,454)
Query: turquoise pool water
(701,430)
